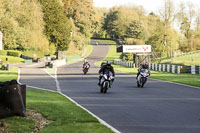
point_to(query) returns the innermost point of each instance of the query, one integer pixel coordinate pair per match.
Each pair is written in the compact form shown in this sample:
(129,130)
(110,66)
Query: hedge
(14,53)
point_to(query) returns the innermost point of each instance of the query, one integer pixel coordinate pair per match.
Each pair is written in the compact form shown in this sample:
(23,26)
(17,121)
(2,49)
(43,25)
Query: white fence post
(156,67)
(193,69)
(163,67)
(168,68)
(160,66)
(173,68)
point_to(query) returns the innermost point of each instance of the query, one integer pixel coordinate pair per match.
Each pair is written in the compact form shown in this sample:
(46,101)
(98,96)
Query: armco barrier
(165,68)
(194,69)
(123,63)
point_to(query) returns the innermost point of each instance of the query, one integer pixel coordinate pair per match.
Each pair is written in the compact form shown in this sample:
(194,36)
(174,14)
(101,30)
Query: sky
(149,5)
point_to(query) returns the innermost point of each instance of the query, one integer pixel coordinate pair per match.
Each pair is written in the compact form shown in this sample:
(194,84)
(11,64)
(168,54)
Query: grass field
(188,79)
(190,59)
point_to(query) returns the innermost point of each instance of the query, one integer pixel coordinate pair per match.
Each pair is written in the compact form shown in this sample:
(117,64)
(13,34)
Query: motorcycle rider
(143,66)
(102,64)
(106,68)
(86,63)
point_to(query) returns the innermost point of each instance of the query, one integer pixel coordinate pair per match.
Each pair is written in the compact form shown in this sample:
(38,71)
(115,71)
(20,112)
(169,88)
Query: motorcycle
(142,78)
(106,82)
(85,69)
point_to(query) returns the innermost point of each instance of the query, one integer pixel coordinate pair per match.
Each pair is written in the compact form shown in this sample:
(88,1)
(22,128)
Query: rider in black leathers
(143,66)
(104,69)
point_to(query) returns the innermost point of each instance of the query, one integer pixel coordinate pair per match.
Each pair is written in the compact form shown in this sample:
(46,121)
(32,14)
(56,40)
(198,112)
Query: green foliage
(22,25)
(3,52)
(134,30)
(110,22)
(57,26)
(3,67)
(83,20)
(14,53)
(119,18)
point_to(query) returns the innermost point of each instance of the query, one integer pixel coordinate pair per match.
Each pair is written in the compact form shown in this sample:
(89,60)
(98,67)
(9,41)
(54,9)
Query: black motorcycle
(142,78)
(106,82)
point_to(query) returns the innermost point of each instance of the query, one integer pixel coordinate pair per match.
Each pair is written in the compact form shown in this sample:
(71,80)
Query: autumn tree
(82,16)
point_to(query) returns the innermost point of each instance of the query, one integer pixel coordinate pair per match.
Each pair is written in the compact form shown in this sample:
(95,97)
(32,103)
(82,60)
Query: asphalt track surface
(159,107)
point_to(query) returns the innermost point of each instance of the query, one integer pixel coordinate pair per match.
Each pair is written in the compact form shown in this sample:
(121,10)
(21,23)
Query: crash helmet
(108,63)
(146,65)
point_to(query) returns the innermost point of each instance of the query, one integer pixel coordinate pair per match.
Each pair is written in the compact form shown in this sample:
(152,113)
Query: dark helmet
(146,65)
(108,63)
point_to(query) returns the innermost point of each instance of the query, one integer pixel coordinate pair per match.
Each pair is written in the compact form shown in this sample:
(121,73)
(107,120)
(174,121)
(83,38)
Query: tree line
(46,25)
(173,31)
(52,25)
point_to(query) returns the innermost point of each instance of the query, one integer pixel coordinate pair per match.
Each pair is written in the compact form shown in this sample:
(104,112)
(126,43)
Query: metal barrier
(165,68)
(124,63)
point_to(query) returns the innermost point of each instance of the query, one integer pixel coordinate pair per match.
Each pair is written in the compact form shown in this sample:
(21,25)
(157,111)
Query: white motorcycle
(142,78)
(106,82)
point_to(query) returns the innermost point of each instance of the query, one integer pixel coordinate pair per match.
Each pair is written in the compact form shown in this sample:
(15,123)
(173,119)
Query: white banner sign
(136,48)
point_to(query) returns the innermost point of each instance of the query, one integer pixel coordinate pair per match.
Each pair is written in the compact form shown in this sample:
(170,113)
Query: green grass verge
(8,75)
(188,79)
(192,59)
(65,115)
(11,59)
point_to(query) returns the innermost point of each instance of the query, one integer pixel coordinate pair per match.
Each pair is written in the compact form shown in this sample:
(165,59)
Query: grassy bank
(190,59)
(188,79)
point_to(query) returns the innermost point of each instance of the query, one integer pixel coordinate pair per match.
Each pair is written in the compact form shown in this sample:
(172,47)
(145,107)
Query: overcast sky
(149,5)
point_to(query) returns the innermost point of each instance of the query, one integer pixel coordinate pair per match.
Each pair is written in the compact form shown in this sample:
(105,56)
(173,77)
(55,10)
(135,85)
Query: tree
(156,32)
(167,15)
(110,22)
(57,26)
(186,18)
(134,30)
(82,16)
